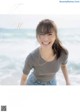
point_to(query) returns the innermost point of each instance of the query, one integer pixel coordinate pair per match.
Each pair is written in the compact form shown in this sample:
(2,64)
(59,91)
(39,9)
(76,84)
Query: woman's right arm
(23,79)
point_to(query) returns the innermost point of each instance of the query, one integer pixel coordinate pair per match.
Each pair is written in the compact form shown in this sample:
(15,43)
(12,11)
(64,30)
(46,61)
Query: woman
(47,59)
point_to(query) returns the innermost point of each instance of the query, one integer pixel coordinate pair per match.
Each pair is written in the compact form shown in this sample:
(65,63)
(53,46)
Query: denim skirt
(32,80)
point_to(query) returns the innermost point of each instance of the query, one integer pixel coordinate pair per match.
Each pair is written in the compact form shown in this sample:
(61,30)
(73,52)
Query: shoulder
(64,52)
(64,56)
(33,54)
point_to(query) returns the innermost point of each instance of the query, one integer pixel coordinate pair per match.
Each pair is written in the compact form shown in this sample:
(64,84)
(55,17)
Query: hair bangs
(45,28)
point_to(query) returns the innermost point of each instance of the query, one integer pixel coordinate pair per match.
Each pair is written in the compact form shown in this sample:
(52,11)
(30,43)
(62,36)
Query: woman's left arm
(65,73)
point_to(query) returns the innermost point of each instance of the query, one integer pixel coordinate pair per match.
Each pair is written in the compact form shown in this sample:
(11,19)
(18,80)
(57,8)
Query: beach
(16,44)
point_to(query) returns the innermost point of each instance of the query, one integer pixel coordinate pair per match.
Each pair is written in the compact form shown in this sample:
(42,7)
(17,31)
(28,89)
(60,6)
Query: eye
(50,34)
(42,34)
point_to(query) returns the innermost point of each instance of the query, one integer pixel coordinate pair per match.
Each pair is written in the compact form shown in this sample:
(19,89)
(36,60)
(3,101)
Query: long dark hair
(47,26)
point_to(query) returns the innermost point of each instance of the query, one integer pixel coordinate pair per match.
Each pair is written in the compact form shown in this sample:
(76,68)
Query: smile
(46,43)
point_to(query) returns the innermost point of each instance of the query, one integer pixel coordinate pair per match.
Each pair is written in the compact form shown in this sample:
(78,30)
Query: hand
(68,83)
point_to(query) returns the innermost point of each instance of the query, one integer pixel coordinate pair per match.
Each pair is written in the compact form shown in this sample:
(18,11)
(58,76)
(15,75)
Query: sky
(31,21)
(27,13)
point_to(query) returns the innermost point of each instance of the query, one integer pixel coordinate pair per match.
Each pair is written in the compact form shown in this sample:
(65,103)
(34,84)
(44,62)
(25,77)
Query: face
(46,40)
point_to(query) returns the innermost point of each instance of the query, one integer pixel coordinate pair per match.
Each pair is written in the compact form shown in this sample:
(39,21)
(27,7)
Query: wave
(16,33)
(74,68)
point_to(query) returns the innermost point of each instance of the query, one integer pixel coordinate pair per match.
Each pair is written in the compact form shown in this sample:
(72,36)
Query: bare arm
(23,79)
(65,73)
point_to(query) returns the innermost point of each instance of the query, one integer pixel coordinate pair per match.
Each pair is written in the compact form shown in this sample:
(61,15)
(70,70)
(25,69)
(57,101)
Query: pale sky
(31,21)
(27,13)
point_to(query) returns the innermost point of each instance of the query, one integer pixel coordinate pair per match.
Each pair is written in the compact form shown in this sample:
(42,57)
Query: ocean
(16,44)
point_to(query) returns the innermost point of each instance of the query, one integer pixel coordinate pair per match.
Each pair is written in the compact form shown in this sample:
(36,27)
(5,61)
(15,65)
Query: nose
(45,37)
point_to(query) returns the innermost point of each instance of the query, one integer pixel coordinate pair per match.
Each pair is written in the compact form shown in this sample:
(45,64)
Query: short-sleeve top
(43,70)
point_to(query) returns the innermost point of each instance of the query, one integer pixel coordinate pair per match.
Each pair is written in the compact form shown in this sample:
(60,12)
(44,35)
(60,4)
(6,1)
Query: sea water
(16,44)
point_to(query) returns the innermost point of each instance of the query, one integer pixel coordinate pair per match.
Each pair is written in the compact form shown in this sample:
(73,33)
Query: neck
(46,54)
(46,51)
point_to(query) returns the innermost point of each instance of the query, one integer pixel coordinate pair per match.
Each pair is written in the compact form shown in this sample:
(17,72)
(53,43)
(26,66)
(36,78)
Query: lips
(46,43)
